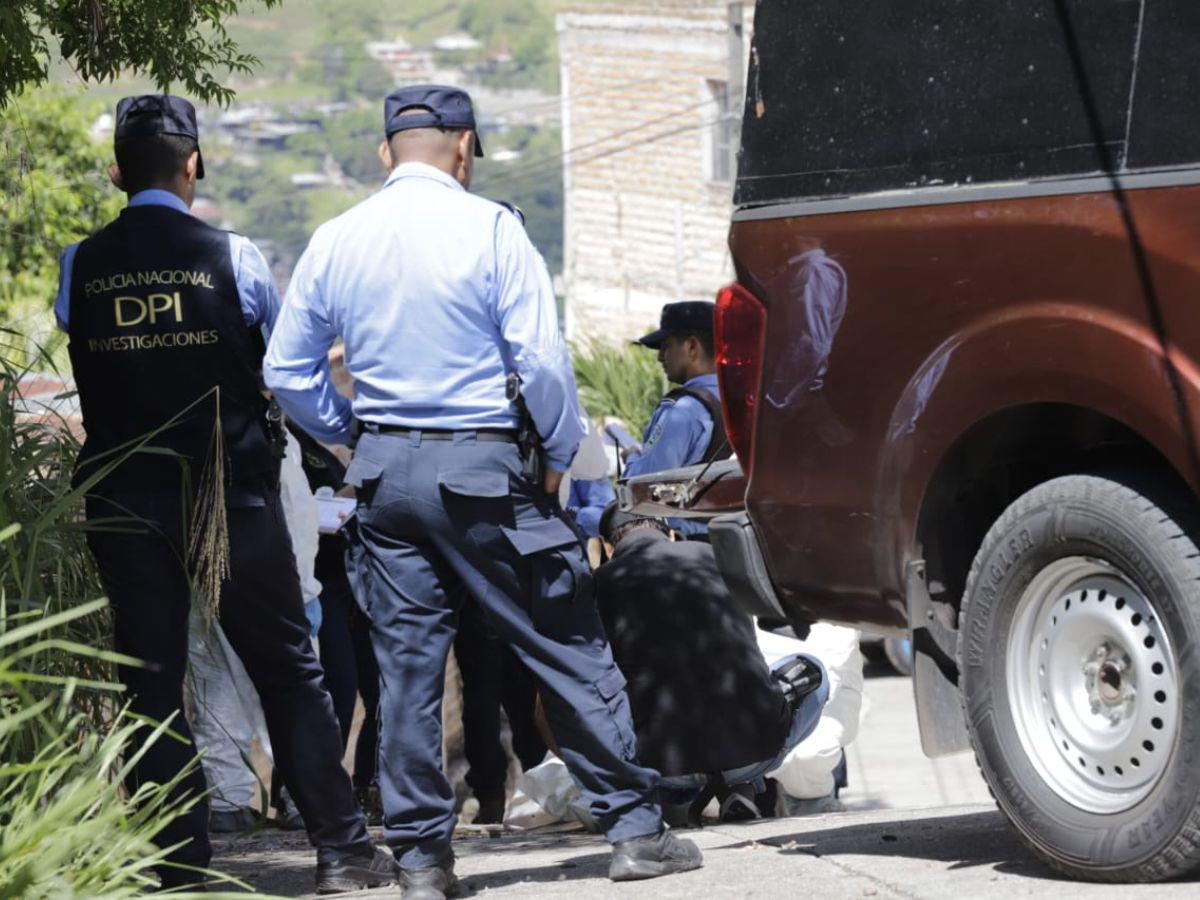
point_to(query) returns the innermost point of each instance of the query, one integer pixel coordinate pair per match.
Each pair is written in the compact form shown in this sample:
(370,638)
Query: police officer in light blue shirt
(687,426)
(438,296)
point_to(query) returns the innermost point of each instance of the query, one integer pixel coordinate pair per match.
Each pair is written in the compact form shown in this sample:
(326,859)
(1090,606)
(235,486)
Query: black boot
(354,873)
(652,855)
(431,883)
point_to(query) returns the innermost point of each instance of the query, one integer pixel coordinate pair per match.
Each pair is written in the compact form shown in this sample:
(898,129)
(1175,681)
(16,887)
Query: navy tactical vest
(718,442)
(155,324)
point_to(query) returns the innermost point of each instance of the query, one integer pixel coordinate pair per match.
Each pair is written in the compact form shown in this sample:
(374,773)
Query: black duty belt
(492,435)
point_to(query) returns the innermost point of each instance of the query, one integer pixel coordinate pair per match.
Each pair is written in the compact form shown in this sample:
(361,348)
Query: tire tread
(1182,854)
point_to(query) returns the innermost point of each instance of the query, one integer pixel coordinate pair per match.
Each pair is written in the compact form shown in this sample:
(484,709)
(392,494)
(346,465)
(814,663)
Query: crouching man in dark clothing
(708,712)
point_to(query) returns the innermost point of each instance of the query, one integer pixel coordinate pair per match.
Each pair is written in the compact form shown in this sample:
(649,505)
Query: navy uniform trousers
(262,615)
(436,514)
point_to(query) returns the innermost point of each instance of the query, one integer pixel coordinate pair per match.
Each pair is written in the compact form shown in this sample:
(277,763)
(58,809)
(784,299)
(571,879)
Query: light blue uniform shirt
(256,289)
(678,433)
(677,436)
(437,295)
(588,500)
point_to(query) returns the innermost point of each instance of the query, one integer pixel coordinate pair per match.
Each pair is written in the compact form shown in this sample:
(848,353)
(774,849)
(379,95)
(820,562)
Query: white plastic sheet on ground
(547,794)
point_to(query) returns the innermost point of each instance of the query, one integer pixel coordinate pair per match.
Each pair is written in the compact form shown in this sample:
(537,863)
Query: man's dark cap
(613,519)
(149,115)
(681,318)
(444,107)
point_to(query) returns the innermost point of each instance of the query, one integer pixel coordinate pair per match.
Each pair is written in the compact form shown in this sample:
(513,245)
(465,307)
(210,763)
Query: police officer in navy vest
(439,297)
(165,318)
(687,426)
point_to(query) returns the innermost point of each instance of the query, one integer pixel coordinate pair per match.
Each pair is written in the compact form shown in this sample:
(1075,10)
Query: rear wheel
(1081,681)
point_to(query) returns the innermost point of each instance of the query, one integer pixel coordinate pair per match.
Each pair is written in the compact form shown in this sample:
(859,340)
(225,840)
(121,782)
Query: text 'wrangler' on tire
(1079,678)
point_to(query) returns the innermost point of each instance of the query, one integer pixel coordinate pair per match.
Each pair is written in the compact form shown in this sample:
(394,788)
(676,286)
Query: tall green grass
(622,381)
(68,828)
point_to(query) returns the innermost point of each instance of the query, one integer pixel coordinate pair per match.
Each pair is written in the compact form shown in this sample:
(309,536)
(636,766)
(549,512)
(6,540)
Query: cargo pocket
(610,686)
(477,503)
(475,482)
(559,571)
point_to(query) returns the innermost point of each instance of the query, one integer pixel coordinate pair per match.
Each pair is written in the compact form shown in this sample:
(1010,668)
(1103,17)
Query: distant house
(401,60)
(646,130)
(331,175)
(459,41)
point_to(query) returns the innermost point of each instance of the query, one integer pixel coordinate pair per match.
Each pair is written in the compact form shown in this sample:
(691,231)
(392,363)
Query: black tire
(1099,522)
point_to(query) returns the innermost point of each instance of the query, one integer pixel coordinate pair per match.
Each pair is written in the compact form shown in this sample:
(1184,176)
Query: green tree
(172,41)
(351,138)
(55,191)
(533,182)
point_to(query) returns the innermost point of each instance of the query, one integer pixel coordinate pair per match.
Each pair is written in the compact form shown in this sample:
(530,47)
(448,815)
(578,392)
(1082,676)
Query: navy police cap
(148,115)
(681,318)
(444,107)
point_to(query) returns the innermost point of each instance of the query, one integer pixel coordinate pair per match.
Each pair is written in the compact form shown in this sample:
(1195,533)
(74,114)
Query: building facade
(648,147)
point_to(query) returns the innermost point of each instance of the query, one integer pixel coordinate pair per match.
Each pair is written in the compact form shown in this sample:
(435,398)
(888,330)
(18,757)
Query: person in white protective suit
(806,778)
(225,714)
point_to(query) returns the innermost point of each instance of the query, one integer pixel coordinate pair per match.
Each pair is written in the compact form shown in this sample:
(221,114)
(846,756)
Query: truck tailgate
(695,492)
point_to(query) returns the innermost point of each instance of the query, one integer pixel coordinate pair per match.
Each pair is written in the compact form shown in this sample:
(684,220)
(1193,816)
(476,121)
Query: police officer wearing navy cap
(165,318)
(687,427)
(439,296)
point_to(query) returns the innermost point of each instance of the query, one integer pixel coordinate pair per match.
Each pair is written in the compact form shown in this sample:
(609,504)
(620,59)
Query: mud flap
(935,668)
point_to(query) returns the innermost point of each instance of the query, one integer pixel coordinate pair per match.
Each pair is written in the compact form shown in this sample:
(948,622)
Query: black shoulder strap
(718,443)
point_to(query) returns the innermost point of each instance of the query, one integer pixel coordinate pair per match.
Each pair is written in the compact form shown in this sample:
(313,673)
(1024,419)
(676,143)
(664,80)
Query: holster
(276,431)
(529,442)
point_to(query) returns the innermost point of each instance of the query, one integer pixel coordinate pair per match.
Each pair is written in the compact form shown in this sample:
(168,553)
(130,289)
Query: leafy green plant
(622,381)
(67,827)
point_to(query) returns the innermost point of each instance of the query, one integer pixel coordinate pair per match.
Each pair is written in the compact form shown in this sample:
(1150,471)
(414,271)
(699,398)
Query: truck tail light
(738,331)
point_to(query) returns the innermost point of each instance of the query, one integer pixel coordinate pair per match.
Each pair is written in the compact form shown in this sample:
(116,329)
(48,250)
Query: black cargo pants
(262,615)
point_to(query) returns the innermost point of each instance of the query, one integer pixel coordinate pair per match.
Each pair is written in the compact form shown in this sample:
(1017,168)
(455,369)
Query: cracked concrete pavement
(914,828)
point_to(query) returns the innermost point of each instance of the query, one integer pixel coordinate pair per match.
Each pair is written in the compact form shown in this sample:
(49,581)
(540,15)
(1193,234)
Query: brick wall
(645,224)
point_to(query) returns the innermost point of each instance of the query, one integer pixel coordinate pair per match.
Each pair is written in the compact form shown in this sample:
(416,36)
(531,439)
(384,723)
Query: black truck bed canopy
(848,97)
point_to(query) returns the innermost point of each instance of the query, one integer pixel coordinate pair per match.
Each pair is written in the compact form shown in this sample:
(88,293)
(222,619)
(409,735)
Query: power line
(539,165)
(555,162)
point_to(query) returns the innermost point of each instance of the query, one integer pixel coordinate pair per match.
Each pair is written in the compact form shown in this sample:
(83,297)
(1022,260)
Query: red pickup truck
(961,372)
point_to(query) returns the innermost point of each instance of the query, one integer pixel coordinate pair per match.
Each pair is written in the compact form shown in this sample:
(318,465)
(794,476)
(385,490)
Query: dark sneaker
(231,821)
(798,679)
(738,804)
(652,855)
(432,883)
(354,873)
(287,816)
(491,809)
(183,880)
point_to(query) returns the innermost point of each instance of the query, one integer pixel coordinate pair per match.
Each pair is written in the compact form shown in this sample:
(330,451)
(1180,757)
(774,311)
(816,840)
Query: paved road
(944,853)
(913,829)
(887,767)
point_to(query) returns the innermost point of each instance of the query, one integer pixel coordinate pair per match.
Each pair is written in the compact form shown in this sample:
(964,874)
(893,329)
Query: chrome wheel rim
(1093,685)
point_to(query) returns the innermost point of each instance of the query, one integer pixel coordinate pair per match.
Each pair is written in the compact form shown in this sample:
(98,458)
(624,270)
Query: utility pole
(735,91)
